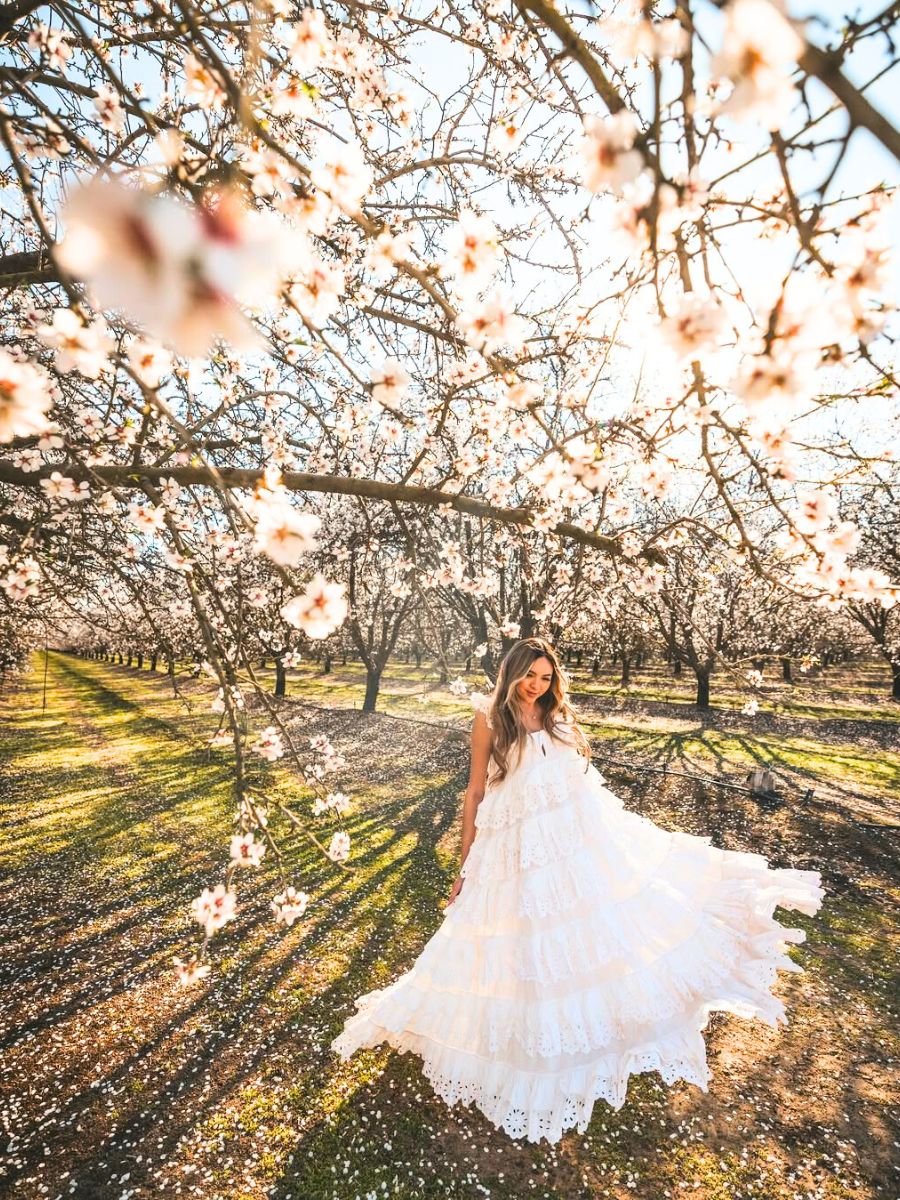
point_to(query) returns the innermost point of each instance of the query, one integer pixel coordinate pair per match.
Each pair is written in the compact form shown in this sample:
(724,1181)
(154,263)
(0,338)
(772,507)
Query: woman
(581,943)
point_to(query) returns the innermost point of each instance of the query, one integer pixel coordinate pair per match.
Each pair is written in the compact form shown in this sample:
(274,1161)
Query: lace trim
(535,1103)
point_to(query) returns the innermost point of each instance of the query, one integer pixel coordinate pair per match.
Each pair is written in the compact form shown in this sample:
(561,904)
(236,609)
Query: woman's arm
(480,755)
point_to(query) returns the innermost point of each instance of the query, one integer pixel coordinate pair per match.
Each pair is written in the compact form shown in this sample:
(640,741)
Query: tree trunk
(373,683)
(326,663)
(595,666)
(626,671)
(140,660)
(280,679)
(676,667)
(130,657)
(786,674)
(702,700)
(170,667)
(895,690)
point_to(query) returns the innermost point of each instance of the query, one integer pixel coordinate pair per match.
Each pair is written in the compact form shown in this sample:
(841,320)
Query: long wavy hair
(558,717)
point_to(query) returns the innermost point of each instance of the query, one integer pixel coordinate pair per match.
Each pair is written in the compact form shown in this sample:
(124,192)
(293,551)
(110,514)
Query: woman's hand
(454,891)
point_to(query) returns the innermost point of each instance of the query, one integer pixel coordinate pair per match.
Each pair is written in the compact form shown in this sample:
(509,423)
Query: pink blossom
(22,580)
(201,86)
(24,398)
(283,533)
(344,174)
(389,382)
(190,972)
(307,41)
(269,745)
(214,908)
(319,610)
(506,136)
(339,847)
(109,109)
(317,293)
(79,347)
(693,325)
(759,48)
(179,271)
(149,361)
(246,851)
(61,487)
(289,905)
(492,323)
(149,518)
(472,250)
(608,157)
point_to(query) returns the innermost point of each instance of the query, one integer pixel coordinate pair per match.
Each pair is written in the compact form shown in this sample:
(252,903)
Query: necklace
(530,725)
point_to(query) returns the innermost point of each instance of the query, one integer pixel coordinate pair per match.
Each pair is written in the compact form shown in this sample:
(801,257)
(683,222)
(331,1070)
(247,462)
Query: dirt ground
(117,1083)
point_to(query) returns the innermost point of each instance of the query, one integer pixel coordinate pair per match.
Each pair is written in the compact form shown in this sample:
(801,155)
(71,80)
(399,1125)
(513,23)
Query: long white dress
(587,944)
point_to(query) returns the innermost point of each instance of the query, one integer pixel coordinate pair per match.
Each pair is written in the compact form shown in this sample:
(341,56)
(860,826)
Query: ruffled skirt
(586,945)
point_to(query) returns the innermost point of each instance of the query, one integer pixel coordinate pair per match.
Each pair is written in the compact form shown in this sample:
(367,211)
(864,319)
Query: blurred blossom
(607,154)
(179,271)
(24,398)
(319,610)
(759,50)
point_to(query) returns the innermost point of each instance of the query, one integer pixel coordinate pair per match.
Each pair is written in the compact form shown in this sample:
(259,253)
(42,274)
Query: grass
(115,1082)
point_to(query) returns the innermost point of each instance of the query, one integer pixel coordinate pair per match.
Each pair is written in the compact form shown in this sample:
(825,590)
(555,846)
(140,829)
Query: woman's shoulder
(483,704)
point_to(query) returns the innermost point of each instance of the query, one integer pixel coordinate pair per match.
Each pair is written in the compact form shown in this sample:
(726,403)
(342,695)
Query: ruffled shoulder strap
(482,703)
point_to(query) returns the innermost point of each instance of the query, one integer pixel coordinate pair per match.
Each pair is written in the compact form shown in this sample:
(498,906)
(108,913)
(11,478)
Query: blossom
(693,325)
(607,153)
(181,271)
(24,398)
(472,250)
(775,379)
(385,251)
(109,109)
(269,745)
(319,610)
(339,847)
(22,581)
(389,382)
(458,687)
(246,851)
(214,908)
(307,40)
(491,324)
(79,347)
(506,136)
(759,48)
(344,175)
(289,905)
(815,512)
(751,708)
(201,86)
(317,293)
(191,971)
(60,487)
(223,737)
(147,517)
(283,533)
(149,361)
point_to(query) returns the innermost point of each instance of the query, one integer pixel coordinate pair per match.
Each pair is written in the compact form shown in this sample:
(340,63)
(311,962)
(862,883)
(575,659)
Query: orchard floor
(115,1082)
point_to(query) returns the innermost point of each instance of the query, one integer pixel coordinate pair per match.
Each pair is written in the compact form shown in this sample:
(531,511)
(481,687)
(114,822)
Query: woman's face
(537,681)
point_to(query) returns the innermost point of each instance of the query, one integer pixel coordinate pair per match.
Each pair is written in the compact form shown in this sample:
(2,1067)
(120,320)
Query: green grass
(116,815)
